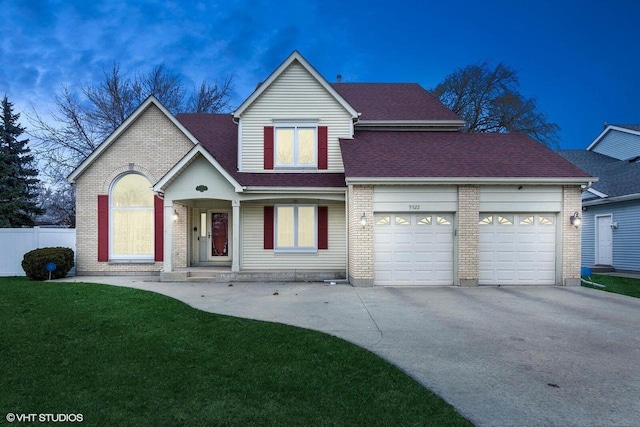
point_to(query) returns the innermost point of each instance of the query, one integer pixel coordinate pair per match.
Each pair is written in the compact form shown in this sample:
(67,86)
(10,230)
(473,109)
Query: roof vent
(339,77)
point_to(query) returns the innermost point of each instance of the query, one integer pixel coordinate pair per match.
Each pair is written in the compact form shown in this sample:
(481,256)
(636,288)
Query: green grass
(618,285)
(127,357)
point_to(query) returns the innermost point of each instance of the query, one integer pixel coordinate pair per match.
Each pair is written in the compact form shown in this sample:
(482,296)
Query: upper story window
(296,146)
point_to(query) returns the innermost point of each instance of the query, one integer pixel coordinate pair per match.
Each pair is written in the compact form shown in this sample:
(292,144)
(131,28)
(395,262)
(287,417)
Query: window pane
(132,190)
(526,220)
(486,220)
(284,146)
(306,146)
(385,220)
(425,220)
(444,220)
(203,224)
(306,226)
(505,220)
(285,226)
(133,232)
(545,220)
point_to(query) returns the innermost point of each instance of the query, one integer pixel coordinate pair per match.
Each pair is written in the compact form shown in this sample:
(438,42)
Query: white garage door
(517,249)
(413,249)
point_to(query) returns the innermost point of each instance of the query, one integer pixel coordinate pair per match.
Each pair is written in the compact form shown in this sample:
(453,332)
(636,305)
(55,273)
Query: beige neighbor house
(308,180)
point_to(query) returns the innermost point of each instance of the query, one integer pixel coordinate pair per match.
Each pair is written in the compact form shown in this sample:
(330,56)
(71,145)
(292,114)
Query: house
(611,206)
(308,180)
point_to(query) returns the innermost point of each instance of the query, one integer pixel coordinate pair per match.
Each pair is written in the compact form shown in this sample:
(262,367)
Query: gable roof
(395,101)
(121,129)
(294,57)
(616,177)
(454,157)
(218,134)
(631,129)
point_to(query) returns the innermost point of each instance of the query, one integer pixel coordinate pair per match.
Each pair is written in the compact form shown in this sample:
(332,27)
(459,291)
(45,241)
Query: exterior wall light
(175,215)
(363,220)
(575,219)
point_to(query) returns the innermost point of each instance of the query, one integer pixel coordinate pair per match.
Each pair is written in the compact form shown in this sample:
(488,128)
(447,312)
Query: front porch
(226,275)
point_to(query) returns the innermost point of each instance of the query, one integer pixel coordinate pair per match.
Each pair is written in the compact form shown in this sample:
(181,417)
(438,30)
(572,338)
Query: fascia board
(470,180)
(624,198)
(161,185)
(121,129)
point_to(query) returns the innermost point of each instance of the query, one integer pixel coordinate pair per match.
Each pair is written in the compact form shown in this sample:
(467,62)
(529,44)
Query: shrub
(35,261)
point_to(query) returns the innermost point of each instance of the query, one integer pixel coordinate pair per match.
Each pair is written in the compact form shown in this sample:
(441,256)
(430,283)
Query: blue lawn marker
(50,267)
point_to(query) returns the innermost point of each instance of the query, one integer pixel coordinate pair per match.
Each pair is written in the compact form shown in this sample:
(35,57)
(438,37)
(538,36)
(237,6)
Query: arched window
(132,218)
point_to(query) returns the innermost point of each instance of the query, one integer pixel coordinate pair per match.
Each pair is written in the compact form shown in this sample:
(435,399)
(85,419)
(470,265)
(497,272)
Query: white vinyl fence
(15,242)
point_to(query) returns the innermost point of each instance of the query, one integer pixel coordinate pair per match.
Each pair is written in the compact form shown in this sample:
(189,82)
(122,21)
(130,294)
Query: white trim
(295,248)
(121,129)
(294,57)
(296,146)
(597,193)
(607,130)
(624,198)
(161,185)
(410,123)
(239,161)
(468,180)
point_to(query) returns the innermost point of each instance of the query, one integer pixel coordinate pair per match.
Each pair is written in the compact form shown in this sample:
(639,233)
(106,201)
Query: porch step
(226,276)
(602,269)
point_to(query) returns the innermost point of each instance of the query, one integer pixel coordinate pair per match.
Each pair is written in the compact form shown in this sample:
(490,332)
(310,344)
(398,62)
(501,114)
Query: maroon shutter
(158,228)
(103,228)
(323,227)
(268,147)
(268,227)
(323,154)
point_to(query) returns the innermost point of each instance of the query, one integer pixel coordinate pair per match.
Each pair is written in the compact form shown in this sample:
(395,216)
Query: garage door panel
(519,250)
(418,249)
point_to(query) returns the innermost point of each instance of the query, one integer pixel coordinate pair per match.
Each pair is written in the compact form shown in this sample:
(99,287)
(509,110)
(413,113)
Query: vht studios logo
(45,418)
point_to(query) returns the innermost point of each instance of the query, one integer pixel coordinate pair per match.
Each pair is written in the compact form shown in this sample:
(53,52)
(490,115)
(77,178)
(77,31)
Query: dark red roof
(412,154)
(218,134)
(393,101)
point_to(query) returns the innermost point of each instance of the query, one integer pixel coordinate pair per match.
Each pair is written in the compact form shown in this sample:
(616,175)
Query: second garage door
(517,249)
(413,249)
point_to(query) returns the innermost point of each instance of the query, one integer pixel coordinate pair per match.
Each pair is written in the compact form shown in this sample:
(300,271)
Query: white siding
(398,198)
(255,257)
(515,198)
(619,145)
(294,95)
(200,172)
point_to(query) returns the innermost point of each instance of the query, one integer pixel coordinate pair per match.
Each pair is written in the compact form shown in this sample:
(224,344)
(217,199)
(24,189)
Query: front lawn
(122,356)
(619,285)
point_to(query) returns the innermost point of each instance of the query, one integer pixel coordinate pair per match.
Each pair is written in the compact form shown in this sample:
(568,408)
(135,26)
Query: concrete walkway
(502,356)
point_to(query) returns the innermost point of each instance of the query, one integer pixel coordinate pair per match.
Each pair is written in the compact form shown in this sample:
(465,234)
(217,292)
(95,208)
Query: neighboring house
(312,180)
(611,206)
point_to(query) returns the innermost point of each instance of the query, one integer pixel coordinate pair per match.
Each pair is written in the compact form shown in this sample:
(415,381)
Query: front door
(604,243)
(214,236)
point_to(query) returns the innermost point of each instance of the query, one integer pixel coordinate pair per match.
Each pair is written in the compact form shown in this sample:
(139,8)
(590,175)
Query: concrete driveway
(502,356)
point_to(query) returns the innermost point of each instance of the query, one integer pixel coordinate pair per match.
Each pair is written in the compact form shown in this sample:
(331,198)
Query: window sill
(295,251)
(131,261)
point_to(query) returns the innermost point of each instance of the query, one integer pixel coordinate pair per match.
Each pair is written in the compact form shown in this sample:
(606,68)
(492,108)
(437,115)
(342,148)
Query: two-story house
(308,180)
(611,206)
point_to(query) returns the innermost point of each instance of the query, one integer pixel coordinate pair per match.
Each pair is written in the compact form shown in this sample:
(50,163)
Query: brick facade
(360,238)
(468,237)
(571,245)
(150,146)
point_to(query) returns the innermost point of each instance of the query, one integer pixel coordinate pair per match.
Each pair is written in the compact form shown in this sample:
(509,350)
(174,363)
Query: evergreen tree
(18,177)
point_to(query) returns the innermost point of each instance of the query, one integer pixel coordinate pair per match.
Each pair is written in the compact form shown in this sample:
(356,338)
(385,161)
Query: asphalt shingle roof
(616,177)
(407,154)
(393,101)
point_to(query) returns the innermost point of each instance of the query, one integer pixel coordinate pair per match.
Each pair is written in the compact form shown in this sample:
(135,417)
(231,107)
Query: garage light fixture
(575,219)
(363,220)
(175,215)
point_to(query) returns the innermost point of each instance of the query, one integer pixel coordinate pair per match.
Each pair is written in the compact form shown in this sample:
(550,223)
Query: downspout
(346,207)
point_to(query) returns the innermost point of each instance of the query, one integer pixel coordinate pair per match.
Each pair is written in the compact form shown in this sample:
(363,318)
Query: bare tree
(488,99)
(79,125)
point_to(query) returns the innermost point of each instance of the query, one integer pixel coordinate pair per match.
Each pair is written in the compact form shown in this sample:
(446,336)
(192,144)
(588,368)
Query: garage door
(413,249)
(517,249)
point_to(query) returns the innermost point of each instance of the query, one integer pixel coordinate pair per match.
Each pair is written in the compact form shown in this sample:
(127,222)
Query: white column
(235,220)
(168,236)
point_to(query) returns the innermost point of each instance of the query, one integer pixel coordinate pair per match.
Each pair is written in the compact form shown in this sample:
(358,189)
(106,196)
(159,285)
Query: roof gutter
(624,198)
(471,180)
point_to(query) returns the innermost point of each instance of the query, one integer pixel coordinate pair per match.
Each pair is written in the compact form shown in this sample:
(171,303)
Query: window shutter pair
(323,227)
(323,154)
(103,228)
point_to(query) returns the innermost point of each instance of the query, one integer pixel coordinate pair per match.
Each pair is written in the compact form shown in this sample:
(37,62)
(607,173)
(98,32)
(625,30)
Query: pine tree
(18,177)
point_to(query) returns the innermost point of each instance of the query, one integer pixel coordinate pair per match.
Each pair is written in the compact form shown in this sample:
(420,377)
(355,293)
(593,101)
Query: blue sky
(579,59)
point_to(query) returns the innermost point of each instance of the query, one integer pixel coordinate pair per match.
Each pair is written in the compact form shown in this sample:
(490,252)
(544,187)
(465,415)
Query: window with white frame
(132,216)
(296,228)
(296,146)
